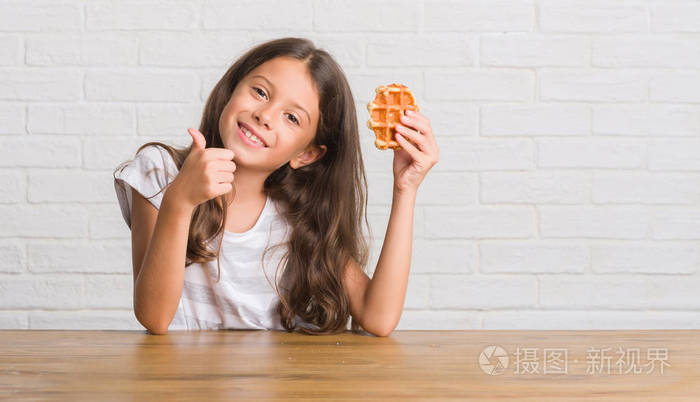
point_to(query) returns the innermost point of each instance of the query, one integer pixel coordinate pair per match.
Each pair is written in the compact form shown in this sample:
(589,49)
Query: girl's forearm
(385,294)
(158,288)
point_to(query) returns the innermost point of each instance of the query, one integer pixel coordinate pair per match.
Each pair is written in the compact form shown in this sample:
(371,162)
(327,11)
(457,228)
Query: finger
(416,114)
(198,138)
(413,135)
(418,117)
(408,147)
(416,122)
(225,188)
(224,166)
(221,153)
(419,122)
(224,177)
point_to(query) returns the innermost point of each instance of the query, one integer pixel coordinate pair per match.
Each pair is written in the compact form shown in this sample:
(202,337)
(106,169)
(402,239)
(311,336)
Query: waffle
(385,110)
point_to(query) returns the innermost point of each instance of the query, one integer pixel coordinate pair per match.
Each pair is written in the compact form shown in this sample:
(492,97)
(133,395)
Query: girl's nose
(262,116)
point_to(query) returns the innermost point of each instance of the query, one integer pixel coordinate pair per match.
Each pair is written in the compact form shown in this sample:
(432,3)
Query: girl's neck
(249,187)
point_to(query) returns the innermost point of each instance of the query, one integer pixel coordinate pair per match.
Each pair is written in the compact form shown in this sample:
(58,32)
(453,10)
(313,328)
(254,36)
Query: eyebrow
(308,118)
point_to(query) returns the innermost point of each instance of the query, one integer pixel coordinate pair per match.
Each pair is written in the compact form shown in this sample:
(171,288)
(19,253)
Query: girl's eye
(260,91)
(296,121)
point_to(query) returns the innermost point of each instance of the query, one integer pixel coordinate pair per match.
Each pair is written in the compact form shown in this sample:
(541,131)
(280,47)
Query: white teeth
(252,136)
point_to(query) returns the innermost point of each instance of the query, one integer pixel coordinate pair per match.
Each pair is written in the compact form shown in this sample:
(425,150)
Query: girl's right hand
(206,173)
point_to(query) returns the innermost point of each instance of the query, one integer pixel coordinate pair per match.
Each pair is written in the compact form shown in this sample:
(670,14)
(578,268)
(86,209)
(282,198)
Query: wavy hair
(324,202)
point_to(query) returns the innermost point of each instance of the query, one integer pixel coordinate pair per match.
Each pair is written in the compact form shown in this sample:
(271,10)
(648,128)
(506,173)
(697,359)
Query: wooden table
(422,365)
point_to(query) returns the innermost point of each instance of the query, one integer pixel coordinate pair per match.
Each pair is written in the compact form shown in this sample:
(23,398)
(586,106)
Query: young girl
(276,165)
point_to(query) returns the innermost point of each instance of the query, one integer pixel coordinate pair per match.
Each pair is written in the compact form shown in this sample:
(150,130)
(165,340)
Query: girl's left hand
(418,153)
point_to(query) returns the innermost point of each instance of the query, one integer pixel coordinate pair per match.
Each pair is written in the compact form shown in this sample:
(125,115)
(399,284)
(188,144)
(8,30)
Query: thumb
(197,138)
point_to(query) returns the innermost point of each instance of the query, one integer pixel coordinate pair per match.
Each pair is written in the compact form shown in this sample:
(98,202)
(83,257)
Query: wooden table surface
(420,365)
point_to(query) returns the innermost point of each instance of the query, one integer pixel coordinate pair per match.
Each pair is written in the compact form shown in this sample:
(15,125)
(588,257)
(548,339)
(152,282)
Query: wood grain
(275,365)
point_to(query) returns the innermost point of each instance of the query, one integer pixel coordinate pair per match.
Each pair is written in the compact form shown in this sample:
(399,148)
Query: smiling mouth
(250,136)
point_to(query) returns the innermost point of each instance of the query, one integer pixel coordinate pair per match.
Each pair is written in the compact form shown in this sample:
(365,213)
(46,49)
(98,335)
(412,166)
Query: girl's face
(278,103)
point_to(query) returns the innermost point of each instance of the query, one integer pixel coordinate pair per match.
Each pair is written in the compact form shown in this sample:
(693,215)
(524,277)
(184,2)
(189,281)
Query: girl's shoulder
(151,169)
(155,158)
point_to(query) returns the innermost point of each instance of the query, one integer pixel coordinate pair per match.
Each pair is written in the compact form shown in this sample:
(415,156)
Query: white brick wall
(567,195)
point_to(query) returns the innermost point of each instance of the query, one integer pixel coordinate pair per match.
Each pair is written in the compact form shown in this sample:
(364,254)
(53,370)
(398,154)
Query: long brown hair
(323,202)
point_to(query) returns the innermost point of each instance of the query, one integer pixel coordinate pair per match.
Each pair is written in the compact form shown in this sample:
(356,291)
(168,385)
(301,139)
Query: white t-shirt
(243,298)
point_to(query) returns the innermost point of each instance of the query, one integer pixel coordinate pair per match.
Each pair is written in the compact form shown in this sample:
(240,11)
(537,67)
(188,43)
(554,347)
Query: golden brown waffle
(385,111)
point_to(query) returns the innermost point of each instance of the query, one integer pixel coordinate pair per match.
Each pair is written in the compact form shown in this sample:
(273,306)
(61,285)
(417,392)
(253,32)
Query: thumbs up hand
(206,173)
